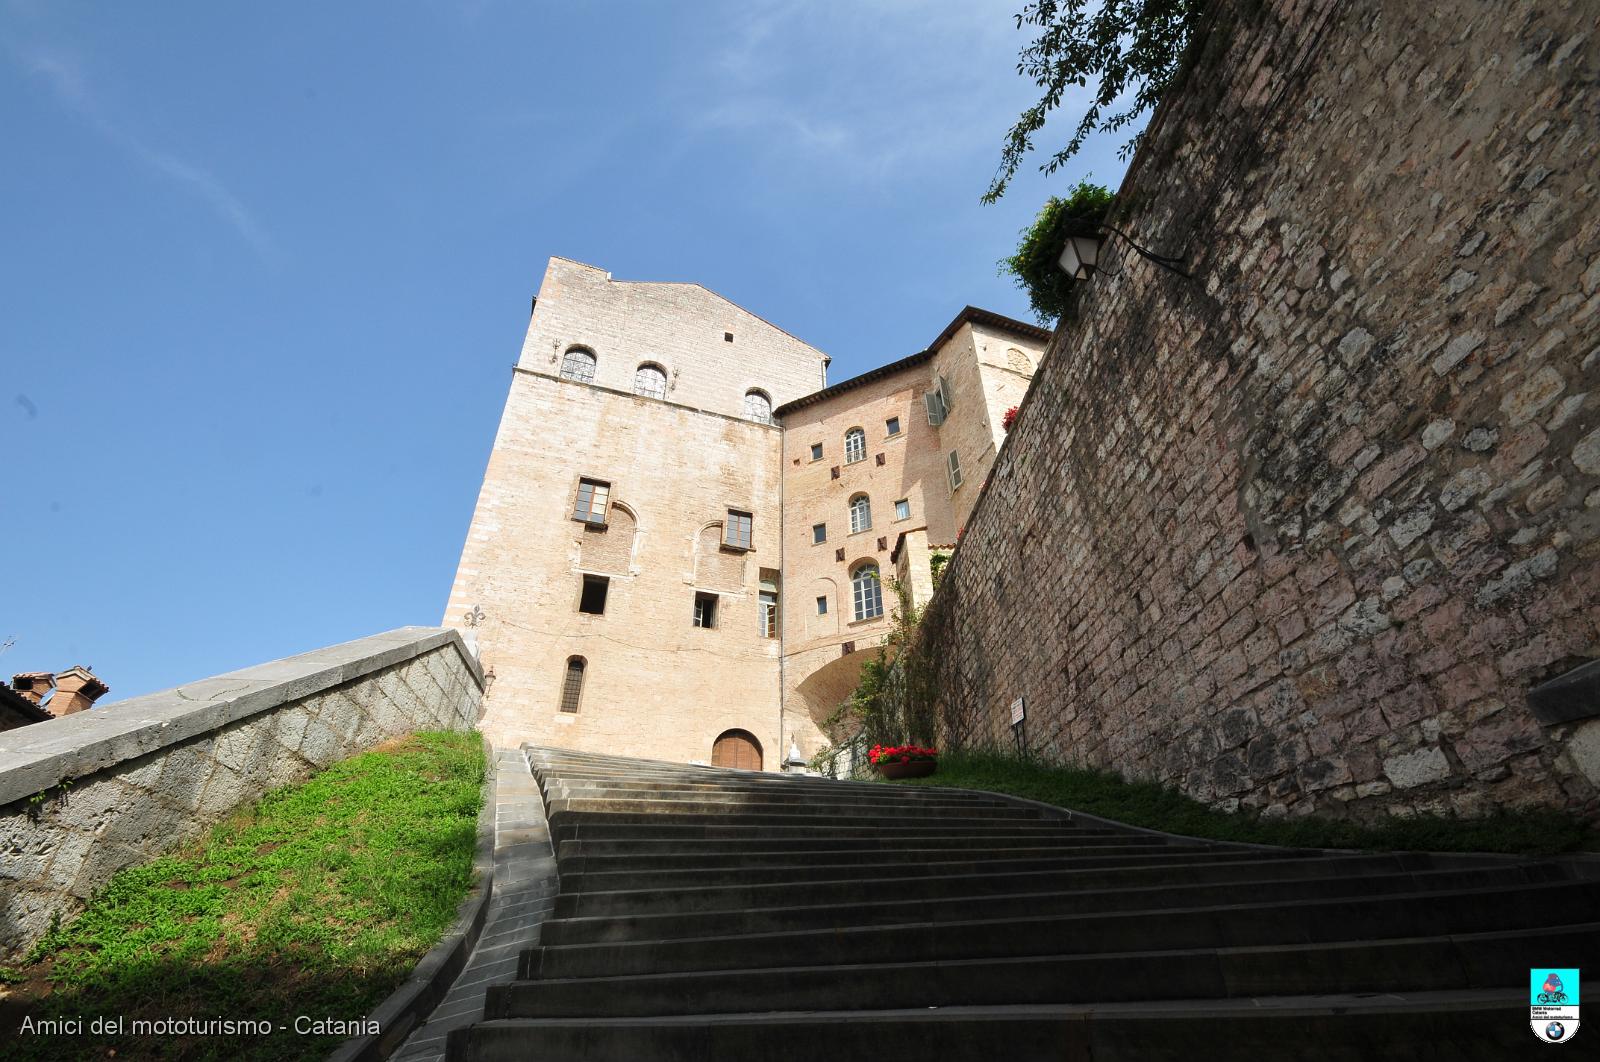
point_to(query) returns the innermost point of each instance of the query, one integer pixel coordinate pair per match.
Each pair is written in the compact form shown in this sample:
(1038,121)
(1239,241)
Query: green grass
(317,901)
(1160,808)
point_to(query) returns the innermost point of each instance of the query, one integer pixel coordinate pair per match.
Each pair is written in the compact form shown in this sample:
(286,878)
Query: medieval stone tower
(678,548)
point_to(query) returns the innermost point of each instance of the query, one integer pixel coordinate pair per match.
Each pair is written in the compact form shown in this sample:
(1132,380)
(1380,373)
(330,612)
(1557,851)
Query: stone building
(677,549)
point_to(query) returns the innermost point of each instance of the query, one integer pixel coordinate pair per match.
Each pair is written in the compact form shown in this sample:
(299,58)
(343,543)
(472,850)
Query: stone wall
(85,796)
(1300,532)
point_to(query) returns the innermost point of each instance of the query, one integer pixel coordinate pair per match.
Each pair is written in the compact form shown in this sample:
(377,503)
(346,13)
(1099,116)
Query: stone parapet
(85,796)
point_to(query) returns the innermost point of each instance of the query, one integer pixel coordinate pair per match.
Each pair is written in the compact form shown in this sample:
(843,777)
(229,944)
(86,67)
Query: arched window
(757,406)
(867,592)
(855,446)
(578,365)
(860,514)
(572,685)
(650,380)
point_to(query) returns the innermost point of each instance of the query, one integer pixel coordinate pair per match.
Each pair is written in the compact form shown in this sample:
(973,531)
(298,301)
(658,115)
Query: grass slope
(1160,808)
(316,902)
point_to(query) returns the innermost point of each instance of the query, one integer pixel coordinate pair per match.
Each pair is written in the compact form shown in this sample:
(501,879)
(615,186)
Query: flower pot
(914,769)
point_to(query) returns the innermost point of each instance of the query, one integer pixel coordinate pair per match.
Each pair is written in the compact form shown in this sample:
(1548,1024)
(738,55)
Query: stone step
(647,848)
(768,800)
(800,872)
(893,911)
(713,827)
(1176,868)
(587,864)
(580,811)
(1287,923)
(1444,1026)
(1489,960)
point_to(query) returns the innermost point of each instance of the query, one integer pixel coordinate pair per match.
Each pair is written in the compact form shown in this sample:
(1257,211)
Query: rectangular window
(736,532)
(591,504)
(822,606)
(955,471)
(934,402)
(705,610)
(902,509)
(769,614)
(819,533)
(593,600)
(893,424)
(816,451)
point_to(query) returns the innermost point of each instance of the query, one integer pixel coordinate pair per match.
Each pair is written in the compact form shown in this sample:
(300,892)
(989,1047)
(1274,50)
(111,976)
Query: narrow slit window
(572,685)
(822,606)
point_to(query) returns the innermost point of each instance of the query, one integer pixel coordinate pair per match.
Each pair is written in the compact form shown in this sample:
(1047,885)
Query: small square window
(593,599)
(902,509)
(893,424)
(816,451)
(822,606)
(819,533)
(705,610)
(736,532)
(727,337)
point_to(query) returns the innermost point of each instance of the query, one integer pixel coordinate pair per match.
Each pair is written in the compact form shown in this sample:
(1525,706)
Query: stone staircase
(711,914)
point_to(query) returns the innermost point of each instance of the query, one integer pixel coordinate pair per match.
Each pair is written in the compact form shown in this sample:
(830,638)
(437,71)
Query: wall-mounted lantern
(1080,258)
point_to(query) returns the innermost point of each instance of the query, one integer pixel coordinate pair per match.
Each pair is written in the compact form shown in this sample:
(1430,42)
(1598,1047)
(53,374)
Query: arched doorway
(738,749)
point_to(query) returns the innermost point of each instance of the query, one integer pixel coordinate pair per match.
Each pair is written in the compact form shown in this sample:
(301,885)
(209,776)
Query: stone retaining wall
(84,796)
(1300,533)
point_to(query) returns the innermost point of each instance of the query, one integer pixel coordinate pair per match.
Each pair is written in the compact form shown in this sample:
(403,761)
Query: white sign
(1018,710)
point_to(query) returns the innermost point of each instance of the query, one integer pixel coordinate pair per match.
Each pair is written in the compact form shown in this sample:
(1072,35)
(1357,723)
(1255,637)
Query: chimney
(76,690)
(34,685)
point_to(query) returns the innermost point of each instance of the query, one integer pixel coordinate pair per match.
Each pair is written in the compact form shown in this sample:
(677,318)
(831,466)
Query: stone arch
(1017,361)
(716,568)
(609,549)
(822,624)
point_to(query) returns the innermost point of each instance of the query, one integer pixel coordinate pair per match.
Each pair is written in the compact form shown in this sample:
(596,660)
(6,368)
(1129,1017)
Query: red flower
(1009,419)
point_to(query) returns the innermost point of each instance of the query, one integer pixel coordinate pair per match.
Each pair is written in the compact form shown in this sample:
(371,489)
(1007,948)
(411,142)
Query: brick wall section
(1299,534)
(119,785)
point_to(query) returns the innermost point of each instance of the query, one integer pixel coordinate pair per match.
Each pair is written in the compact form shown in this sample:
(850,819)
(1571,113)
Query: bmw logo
(1555,1030)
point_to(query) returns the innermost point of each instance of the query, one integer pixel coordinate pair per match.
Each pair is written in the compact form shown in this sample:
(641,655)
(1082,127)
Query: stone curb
(409,1005)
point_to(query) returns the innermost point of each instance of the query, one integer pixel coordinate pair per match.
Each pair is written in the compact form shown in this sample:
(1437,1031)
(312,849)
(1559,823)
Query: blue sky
(267,267)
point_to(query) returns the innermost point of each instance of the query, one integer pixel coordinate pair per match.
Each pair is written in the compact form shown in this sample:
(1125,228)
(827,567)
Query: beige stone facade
(667,400)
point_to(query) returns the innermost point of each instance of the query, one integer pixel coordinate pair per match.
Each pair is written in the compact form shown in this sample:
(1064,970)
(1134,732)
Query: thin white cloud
(69,81)
(862,91)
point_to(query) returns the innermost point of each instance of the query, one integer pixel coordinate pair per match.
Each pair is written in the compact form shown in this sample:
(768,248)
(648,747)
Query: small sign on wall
(1019,711)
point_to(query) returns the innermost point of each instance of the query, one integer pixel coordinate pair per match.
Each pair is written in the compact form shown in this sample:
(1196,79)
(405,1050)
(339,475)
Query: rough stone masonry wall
(85,796)
(1300,533)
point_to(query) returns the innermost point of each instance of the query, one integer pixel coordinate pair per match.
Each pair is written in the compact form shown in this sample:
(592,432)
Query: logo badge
(1553,1003)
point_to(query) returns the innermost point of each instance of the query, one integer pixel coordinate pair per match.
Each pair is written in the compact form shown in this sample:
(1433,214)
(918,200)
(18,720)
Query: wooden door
(738,749)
